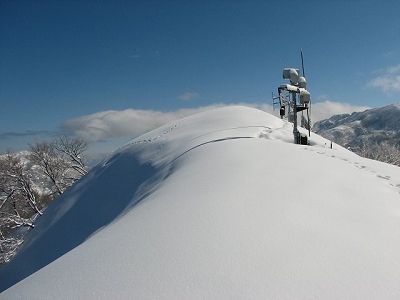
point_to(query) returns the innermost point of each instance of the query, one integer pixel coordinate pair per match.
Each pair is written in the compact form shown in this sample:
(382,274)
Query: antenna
(302,62)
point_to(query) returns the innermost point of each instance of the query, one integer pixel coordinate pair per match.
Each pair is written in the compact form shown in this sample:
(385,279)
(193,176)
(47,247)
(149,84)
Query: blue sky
(111,70)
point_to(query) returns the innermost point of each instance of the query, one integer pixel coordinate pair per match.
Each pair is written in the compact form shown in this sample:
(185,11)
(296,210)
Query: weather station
(294,98)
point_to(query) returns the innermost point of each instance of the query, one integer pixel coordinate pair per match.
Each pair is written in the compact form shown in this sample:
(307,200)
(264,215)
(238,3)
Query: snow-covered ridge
(219,205)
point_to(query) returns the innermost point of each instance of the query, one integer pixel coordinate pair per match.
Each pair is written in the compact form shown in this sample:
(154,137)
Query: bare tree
(60,161)
(73,149)
(16,182)
(18,203)
(44,155)
(384,151)
(8,247)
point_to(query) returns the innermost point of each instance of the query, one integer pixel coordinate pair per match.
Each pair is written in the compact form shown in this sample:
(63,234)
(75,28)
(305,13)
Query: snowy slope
(219,205)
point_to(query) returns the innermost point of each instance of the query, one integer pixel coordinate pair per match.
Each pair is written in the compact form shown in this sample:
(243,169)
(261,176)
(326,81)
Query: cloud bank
(117,123)
(27,133)
(327,109)
(104,125)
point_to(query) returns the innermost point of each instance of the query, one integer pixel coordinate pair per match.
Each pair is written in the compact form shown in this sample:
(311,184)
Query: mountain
(218,205)
(371,126)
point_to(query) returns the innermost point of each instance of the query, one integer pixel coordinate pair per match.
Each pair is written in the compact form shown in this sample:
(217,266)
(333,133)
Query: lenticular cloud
(103,125)
(129,122)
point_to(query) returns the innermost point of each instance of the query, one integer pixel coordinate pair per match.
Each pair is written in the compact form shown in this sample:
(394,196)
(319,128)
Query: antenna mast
(302,63)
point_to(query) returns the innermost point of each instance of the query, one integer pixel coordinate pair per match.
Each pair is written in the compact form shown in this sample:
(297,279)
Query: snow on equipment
(295,98)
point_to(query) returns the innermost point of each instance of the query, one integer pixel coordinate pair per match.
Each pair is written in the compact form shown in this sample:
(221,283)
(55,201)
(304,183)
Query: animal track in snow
(387,178)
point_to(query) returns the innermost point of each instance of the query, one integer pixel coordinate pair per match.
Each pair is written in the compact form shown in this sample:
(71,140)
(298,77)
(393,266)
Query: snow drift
(219,205)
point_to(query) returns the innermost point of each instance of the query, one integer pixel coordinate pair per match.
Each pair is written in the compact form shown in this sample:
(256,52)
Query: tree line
(385,151)
(29,182)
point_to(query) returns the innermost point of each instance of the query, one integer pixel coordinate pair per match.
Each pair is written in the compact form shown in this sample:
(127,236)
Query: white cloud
(387,82)
(327,109)
(129,122)
(394,69)
(188,96)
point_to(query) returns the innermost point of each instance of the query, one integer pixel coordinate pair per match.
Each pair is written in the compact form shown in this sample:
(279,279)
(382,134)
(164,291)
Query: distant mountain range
(371,127)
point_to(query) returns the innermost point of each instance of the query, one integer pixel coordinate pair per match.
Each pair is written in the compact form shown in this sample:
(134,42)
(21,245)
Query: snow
(218,205)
